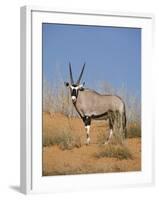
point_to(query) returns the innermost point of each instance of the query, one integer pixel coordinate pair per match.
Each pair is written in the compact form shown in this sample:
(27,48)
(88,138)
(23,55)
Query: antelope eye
(66,84)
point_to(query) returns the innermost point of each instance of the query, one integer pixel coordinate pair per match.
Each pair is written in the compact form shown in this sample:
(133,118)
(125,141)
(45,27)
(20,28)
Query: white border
(31,116)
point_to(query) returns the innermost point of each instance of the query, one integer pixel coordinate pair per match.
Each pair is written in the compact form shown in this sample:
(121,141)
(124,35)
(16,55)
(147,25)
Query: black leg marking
(87,120)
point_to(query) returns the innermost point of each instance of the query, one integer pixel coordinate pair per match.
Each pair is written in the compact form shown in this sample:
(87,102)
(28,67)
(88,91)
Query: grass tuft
(134,130)
(114,151)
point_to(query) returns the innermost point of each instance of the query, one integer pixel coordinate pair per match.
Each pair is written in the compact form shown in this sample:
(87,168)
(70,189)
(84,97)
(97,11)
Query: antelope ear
(82,87)
(66,84)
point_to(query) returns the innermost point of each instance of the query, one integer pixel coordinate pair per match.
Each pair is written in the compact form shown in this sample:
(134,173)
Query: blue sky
(112,54)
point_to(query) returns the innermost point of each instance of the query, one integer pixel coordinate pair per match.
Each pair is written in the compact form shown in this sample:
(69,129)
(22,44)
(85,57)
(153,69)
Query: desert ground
(65,152)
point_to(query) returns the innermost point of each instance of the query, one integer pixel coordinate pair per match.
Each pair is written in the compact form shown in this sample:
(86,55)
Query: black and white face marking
(74,89)
(74,92)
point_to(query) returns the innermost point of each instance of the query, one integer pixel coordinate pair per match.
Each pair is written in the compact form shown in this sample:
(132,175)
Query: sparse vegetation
(114,151)
(65,140)
(134,130)
(56,99)
(61,136)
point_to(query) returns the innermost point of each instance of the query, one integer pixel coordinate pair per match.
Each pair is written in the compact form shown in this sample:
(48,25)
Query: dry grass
(62,136)
(115,140)
(65,140)
(101,138)
(55,133)
(134,130)
(114,151)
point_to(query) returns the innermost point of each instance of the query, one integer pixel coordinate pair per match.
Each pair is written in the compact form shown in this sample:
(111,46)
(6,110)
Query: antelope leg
(87,132)
(87,122)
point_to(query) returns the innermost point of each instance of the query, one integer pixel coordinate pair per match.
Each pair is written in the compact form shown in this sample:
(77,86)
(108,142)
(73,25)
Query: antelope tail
(124,121)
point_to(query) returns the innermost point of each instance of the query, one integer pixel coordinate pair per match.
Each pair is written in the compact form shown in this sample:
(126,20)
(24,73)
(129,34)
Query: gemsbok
(91,105)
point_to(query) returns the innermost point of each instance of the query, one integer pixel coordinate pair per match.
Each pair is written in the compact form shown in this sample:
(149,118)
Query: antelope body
(91,105)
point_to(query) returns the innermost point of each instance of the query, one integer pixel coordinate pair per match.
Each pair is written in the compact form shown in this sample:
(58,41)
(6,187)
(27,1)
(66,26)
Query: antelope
(90,105)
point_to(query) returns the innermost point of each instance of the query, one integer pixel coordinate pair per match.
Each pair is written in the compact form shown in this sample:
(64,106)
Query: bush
(134,130)
(114,151)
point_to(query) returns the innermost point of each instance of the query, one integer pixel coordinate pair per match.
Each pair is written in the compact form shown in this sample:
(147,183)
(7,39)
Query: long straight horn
(71,77)
(81,74)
